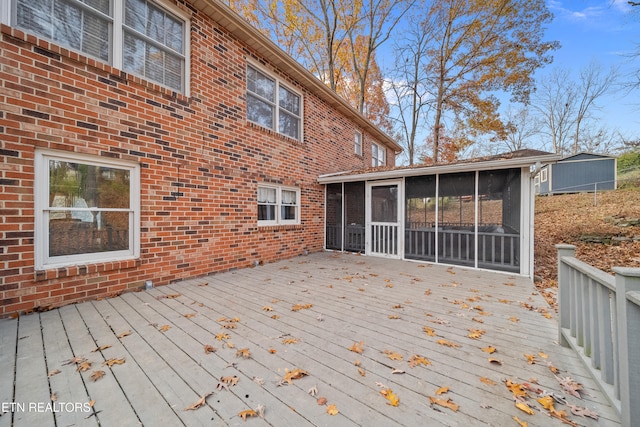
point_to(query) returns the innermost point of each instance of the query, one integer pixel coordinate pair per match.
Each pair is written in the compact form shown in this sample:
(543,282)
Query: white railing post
(564,291)
(628,281)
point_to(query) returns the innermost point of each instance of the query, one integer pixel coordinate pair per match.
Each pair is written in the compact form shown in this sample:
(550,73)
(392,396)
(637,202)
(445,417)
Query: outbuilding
(582,172)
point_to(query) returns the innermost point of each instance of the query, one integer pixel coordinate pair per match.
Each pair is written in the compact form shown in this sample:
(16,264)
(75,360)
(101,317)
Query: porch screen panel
(333,231)
(456,218)
(499,220)
(354,211)
(420,218)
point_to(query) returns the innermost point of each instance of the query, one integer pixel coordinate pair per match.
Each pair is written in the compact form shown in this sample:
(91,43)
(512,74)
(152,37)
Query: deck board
(352,299)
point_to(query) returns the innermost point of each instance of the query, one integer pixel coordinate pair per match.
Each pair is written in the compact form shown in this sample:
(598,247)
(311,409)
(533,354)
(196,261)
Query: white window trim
(543,175)
(41,205)
(7,14)
(376,160)
(278,82)
(358,143)
(278,204)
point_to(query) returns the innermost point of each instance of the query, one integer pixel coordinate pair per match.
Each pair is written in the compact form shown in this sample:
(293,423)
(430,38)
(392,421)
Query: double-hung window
(378,155)
(278,205)
(140,37)
(273,105)
(358,143)
(87,209)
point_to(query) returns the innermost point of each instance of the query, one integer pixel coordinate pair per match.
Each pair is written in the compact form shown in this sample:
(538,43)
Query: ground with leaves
(605,228)
(326,339)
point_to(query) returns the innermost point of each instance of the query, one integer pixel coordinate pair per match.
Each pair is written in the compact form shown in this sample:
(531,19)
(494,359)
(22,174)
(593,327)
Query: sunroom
(476,213)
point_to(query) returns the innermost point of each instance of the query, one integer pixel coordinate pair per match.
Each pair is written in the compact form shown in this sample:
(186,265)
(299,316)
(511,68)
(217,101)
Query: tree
(479,47)
(520,127)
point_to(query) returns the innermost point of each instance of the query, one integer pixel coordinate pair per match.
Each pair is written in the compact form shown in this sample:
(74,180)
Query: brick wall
(200,160)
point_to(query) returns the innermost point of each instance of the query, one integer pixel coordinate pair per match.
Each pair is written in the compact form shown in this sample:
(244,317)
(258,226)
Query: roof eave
(240,28)
(348,176)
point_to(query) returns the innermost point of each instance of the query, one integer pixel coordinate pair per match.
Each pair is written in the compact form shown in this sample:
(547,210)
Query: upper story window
(140,37)
(543,175)
(87,209)
(273,105)
(278,205)
(358,143)
(378,155)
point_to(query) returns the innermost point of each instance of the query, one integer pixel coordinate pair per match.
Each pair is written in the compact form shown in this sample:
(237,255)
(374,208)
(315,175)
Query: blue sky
(607,31)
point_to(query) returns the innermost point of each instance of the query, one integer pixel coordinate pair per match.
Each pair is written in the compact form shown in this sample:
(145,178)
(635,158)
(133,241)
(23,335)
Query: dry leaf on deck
(229,326)
(321,401)
(222,336)
(189,315)
(476,333)
(247,413)
(553,368)
(199,403)
(113,361)
(332,410)
(491,349)
(442,390)
(102,347)
(393,355)
(520,423)
(77,360)
(394,317)
(583,412)
(416,360)
(299,307)
(531,358)
(124,334)
(546,402)
(290,341)
(273,351)
(571,386)
(392,398)
(495,361)
(54,372)
(96,375)
(524,408)
(84,366)
(515,388)
(233,380)
(477,319)
(244,353)
(165,328)
(54,397)
(543,355)
(447,343)
(267,308)
(275,316)
(429,331)
(357,347)
(362,372)
(209,349)
(294,374)
(172,296)
(445,403)
(514,319)
(487,381)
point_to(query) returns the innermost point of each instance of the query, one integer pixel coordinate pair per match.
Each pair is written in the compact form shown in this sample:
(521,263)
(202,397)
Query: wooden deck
(385,304)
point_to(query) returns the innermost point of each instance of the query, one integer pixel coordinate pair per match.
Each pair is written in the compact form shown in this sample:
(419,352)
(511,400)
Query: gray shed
(582,172)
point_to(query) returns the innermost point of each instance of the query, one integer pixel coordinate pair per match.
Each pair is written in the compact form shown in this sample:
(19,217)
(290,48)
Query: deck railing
(599,317)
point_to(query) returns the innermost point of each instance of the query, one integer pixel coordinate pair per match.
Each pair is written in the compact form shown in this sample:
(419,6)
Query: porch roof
(514,159)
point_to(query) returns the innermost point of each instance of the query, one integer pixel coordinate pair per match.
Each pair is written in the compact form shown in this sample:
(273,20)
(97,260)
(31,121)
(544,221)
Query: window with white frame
(87,209)
(543,173)
(378,155)
(278,205)
(273,105)
(140,37)
(358,143)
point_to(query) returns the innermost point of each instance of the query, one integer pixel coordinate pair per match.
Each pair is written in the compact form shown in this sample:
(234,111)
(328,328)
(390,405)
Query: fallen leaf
(514,319)
(165,328)
(516,389)
(229,344)
(397,306)
(229,326)
(397,371)
(524,408)
(84,366)
(476,333)
(313,391)
(299,307)
(124,334)
(275,316)
(393,355)
(477,319)
(362,372)
(491,349)
(113,361)
(258,380)
(495,361)
(247,413)
(357,347)
(244,353)
(553,368)
(321,401)
(222,336)
(96,375)
(416,360)
(487,381)
(293,375)
(447,343)
(531,358)
(444,403)
(394,317)
(172,296)
(571,386)
(102,347)
(520,423)
(442,390)
(199,403)
(290,341)
(543,355)
(54,372)
(392,398)
(77,360)
(583,412)
(208,349)
(332,410)
(546,402)
(190,315)
(427,292)
(429,331)
(267,308)
(273,351)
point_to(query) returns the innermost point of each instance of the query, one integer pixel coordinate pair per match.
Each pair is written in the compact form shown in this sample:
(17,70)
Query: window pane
(152,62)
(259,112)
(95,37)
(288,212)
(136,15)
(81,232)
(99,5)
(75,185)
(384,203)
(36,16)
(260,84)
(266,212)
(266,195)
(289,125)
(67,25)
(289,197)
(289,101)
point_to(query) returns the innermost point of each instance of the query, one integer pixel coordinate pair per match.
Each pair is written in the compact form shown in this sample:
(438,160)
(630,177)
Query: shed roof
(583,155)
(512,159)
(240,28)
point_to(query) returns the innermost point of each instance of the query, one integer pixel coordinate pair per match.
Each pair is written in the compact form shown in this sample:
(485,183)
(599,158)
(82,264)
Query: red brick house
(157,140)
